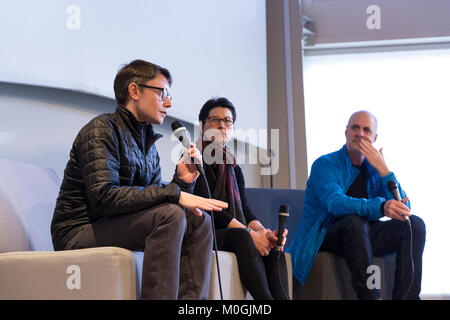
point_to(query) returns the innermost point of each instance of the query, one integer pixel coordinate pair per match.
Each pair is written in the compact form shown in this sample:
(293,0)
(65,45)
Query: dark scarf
(223,183)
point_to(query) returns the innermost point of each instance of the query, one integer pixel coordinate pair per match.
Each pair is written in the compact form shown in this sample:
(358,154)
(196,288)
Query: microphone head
(181,133)
(284,210)
(283,214)
(176,125)
(392,185)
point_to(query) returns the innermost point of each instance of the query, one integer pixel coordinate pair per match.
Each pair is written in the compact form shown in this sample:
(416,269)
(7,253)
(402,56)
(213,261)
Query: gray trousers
(177,248)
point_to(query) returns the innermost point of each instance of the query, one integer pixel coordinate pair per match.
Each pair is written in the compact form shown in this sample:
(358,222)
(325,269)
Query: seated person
(346,195)
(112,194)
(237,229)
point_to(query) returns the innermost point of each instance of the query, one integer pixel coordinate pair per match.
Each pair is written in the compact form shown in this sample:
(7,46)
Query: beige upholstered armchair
(31,269)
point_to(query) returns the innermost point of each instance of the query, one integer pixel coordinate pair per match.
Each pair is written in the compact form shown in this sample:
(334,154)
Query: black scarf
(223,184)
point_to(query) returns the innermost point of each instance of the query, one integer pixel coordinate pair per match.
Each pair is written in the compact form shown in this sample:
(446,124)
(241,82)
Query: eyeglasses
(228,122)
(164,92)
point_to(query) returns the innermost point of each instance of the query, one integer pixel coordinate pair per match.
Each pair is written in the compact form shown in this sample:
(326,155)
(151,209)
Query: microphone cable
(412,259)
(279,256)
(283,214)
(214,237)
(393,188)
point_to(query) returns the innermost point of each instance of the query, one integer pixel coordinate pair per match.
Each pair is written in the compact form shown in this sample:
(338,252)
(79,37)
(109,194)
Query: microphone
(394,190)
(181,133)
(283,214)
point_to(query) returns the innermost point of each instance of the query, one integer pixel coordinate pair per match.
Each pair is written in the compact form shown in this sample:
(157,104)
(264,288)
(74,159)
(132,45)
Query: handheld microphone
(283,214)
(181,133)
(394,190)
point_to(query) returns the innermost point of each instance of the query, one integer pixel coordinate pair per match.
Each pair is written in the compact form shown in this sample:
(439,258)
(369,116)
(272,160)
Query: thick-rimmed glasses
(227,121)
(164,92)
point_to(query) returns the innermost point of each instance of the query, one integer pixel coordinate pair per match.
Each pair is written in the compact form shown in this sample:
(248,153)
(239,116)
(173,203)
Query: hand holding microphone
(185,173)
(396,209)
(181,133)
(283,214)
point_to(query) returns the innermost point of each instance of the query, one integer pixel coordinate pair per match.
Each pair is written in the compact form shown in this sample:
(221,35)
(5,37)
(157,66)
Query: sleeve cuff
(187,187)
(388,177)
(382,208)
(173,192)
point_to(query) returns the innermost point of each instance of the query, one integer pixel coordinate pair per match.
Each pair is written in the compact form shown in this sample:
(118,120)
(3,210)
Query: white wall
(58,60)
(211,48)
(39,125)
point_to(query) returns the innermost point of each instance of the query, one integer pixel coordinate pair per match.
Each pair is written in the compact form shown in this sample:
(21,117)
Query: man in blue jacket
(346,195)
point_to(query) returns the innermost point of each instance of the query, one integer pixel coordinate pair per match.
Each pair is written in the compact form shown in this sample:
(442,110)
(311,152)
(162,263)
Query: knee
(199,224)
(241,235)
(418,228)
(163,216)
(174,213)
(206,219)
(356,225)
(417,223)
(167,215)
(242,240)
(206,224)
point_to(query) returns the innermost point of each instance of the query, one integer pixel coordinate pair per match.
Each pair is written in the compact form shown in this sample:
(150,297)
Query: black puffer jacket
(113,169)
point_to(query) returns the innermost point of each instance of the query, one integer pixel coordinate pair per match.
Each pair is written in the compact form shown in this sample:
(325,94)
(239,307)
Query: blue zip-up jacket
(326,200)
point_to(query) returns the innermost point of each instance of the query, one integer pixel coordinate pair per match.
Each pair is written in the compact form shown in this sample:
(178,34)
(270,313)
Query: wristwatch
(248,229)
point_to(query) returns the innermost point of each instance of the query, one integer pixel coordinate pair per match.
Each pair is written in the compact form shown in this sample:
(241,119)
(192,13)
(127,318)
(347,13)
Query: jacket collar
(143,132)
(348,162)
(353,171)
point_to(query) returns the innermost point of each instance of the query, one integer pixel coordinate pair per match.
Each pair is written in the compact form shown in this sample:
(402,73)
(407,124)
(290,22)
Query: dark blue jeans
(359,240)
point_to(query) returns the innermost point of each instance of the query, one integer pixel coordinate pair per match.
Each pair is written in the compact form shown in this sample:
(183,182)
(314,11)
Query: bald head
(361,125)
(364,113)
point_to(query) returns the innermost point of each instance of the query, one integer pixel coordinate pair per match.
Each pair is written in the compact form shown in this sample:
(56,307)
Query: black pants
(358,240)
(264,277)
(177,248)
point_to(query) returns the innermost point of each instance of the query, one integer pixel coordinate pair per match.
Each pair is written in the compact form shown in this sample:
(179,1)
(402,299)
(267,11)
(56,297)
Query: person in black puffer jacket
(112,194)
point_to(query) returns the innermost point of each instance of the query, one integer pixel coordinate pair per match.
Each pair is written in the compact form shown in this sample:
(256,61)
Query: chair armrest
(94,273)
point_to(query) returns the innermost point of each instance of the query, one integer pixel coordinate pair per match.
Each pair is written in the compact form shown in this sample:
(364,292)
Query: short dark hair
(138,71)
(215,103)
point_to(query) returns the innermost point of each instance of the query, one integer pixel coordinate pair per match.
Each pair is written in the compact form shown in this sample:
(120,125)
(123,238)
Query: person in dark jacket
(112,194)
(237,228)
